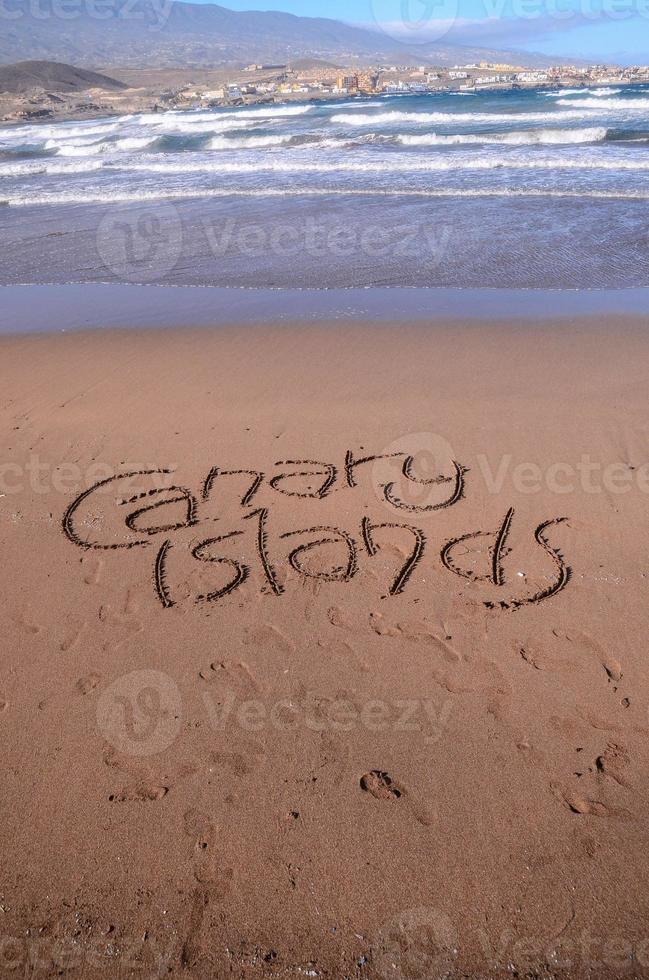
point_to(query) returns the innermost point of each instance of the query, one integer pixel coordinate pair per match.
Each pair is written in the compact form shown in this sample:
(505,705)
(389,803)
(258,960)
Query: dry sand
(307,775)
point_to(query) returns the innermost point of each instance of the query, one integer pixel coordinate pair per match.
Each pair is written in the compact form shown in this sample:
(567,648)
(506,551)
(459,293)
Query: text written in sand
(145,508)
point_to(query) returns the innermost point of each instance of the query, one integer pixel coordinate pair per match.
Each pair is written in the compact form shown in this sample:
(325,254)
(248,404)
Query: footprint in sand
(240,761)
(337,618)
(139,793)
(383,787)
(119,628)
(423,633)
(381,627)
(584,804)
(235,675)
(88,683)
(269,635)
(613,763)
(611,664)
(344,650)
(540,659)
(73,637)
(131,603)
(92,569)
(416,632)
(200,828)
(28,627)
(198,939)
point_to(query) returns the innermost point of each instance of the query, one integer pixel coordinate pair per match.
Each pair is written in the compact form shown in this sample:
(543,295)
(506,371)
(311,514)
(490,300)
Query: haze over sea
(526,189)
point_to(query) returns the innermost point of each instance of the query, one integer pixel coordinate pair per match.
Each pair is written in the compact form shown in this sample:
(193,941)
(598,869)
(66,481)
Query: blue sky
(598,30)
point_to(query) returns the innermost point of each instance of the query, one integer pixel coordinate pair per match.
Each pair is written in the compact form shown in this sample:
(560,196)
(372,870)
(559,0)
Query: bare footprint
(131,603)
(540,659)
(120,628)
(200,828)
(196,944)
(88,683)
(241,761)
(610,663)
(72,639)
(269,635)
(582,804)
(139,793)
(236,675)
(613,763)
(423,633)
(381,626)
(345,650)
(380,785)
(337,618)
(28,627)
(92,570)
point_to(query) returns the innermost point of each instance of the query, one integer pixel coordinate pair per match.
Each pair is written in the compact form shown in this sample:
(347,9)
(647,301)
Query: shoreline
(76,307)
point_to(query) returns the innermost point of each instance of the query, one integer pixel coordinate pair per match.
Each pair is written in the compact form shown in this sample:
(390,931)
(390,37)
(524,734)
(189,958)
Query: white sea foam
(248,142)
(402,165)
(356,104)
(217,119)
(34,168)
(118,196)
(272,112)
(597,92)
(613,104)
(423,118)
(202,127)
(122,145)
(601,92)
(532,137)
(38,136)
(61,141)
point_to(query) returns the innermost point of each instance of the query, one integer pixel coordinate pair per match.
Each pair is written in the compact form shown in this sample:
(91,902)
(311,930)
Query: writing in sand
(142,508)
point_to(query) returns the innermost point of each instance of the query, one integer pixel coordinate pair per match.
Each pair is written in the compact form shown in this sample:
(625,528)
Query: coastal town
(129,90)
(321,79)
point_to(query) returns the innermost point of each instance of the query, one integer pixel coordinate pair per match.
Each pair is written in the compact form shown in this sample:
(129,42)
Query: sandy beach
(323,652)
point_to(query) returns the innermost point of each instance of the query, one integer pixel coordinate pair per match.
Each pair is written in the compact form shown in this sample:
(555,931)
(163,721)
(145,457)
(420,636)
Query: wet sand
(273,707)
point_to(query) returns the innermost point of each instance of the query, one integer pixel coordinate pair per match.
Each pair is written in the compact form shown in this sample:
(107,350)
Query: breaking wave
(613,104)
(422,118)
(530,137)
(248,143)
(117,196)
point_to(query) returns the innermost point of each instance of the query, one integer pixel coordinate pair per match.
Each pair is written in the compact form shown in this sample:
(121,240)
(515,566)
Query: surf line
(198,194)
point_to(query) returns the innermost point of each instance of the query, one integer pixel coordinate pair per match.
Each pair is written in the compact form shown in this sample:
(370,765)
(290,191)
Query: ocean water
(515,189)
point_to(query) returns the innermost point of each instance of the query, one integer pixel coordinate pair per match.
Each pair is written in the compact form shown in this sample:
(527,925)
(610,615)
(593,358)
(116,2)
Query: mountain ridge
(172,33)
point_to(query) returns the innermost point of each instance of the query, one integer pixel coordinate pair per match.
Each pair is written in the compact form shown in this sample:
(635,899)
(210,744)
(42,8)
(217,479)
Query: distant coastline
(163,90)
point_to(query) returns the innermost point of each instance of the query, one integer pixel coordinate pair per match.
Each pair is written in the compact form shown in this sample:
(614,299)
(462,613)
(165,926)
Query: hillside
(208,35)
(53,76)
